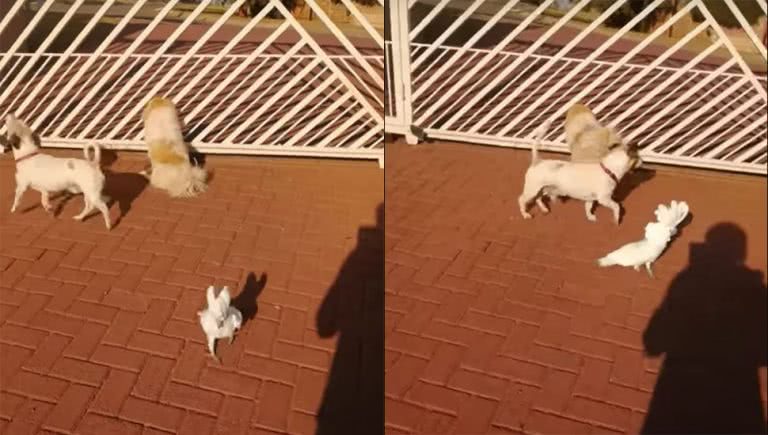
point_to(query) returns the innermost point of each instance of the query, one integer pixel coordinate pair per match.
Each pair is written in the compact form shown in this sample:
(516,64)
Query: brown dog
(588,140)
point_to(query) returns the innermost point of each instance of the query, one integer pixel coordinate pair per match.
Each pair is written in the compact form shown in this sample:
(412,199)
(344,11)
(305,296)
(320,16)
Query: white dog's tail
(96,153)
(537,135)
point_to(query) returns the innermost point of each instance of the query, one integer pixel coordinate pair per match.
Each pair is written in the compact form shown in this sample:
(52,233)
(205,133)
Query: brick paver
(502,325)
(98,329)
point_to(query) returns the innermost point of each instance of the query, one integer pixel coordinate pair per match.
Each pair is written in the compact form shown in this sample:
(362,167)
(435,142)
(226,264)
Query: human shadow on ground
(713,329)
(353,308)
(246,300)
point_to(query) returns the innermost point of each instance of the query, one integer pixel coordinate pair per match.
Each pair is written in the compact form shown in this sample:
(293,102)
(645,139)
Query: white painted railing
(491,71)
(79,70)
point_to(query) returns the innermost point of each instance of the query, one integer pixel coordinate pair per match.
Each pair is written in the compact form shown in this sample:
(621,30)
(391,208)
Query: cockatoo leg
(648,268)
(212,347)
(231,337)
(588,206)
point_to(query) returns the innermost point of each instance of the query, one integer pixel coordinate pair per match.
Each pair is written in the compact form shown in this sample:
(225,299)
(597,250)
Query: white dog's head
(19,138)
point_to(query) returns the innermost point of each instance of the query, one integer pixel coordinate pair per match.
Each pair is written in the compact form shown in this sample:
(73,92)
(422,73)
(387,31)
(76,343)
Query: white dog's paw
(527,216)
(592,218)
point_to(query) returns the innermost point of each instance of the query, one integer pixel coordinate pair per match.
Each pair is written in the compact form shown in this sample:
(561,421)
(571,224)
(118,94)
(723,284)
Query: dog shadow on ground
(122,188)
(631,181)
(246,300)
(353,308)
(712,328)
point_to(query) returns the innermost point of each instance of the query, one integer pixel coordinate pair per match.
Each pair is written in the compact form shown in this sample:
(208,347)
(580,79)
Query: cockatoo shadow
(247,300)
(353,309)
(712,328)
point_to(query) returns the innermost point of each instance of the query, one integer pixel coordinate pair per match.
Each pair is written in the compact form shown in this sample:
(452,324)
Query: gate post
(401,49)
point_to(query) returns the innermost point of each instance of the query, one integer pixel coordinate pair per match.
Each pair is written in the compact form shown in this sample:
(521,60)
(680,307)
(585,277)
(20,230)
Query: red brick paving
(495,324)
(98,331)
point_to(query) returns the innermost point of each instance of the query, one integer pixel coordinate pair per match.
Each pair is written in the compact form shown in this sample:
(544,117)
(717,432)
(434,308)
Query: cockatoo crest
(218,305)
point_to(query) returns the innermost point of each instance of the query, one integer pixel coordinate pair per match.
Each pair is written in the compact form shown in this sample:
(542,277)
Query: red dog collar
(610,174)
(27,156)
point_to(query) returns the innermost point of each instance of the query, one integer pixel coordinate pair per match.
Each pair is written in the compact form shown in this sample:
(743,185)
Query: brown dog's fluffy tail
(537,135)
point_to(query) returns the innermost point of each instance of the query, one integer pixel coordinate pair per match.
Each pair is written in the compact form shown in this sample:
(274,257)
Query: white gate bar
(752,77)
(230,149)
(650,93)
(232,75)
(4,22)
(329,124)
(222,99)
(327,101)
(25,33)
(747,28)
(447,32)
(696,113)
(712,128)
(65,55)
(98,99)
(146,66)
(756,112)
(636,78)
(44,45)
(177,99)
(271,103)
(289,70)
(472,74)
(360,142)
(253,87)
(674,104)
(362,82)
(29,82)
(595,53)
(702,119)
(373,113)
(521,101)
(89,61)
(464,48)
(697,101)
(329,138)
(558,56)
(733,139)
(356,130)
(749,152)
(427,19)
(330,25)
(316,120)
(373,33)
(120,60)
(54,88)
(128,103)
(283,121)
(188,55)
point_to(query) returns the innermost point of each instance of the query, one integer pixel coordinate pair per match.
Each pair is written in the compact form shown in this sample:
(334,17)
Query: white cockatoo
(219,319)
(657,236)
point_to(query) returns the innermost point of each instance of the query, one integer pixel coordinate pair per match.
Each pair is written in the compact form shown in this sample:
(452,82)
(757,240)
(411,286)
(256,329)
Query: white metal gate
(491,71)
(80,69)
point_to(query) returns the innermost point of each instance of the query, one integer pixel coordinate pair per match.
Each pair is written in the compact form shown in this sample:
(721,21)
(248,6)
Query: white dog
(590,182)
(169,154)
(49,174)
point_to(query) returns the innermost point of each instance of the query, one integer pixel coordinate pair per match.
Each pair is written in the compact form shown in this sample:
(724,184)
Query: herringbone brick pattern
(98,329)
(495,324)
